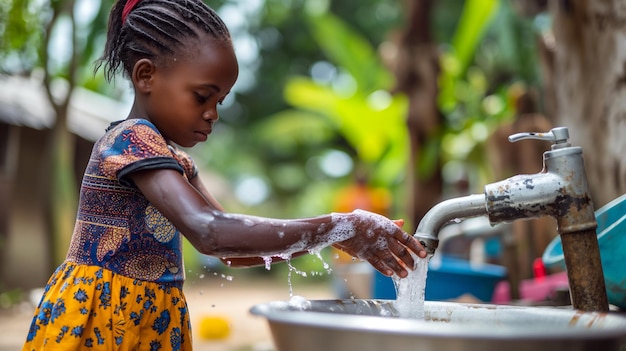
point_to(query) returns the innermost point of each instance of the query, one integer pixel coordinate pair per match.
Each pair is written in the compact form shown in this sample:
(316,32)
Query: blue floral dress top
(120,287)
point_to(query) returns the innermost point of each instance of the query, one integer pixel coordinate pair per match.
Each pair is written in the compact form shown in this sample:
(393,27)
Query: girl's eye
(201,98)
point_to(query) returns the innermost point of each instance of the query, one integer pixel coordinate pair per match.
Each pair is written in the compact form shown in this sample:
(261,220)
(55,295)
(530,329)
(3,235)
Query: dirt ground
(213,296)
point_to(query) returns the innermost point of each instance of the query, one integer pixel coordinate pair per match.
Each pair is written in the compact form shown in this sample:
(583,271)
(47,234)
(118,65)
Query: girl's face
(183,96)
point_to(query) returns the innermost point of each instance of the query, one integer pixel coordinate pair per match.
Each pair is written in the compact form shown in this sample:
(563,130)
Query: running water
(410,291)
(286,258)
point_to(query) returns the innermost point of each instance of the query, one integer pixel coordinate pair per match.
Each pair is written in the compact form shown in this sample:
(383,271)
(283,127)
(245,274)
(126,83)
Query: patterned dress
(120,287)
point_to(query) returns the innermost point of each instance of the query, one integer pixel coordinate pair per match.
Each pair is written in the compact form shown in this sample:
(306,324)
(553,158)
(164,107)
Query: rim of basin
(452,319)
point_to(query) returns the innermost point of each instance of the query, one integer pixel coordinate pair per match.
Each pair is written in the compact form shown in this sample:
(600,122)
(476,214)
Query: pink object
(539,269)
(130,5)
(534,290)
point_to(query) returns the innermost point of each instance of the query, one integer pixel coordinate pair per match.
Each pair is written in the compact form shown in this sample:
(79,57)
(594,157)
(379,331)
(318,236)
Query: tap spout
(458,208)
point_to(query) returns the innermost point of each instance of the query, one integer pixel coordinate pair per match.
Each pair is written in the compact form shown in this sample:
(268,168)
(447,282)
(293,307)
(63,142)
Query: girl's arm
(236,262)
(213,232)
(199,185)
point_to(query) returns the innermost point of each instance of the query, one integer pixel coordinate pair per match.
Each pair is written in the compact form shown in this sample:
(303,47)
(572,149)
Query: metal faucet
(560,190)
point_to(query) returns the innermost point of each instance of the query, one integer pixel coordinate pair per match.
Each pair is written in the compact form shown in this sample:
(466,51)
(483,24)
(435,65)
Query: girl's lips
(203,135)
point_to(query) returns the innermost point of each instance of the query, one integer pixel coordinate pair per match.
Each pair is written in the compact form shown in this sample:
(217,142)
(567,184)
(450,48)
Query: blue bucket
(451,279)
(611,234)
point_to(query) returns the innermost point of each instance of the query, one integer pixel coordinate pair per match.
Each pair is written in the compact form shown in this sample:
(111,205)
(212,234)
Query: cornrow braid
(155,28)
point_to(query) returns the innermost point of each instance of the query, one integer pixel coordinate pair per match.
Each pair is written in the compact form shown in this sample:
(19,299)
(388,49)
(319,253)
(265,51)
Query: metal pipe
(584,271)
(458,208)
(523,196)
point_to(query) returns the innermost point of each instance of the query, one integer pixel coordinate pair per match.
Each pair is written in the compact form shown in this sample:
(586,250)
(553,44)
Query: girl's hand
(382,243)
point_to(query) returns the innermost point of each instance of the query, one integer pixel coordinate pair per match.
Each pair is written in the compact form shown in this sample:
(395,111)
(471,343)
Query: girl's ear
(143,75)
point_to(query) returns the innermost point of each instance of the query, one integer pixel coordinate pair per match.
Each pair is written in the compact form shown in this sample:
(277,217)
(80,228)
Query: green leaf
(349,50)
(474,20)
(290,127)
(370,131)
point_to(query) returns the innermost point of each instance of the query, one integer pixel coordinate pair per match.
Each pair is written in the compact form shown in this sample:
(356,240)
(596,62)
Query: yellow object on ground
(214,328)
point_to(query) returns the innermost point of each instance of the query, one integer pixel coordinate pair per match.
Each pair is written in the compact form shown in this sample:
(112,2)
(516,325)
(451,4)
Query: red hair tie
(130,5)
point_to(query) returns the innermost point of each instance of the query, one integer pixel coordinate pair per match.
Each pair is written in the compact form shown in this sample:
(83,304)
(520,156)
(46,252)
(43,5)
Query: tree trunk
(416,71)
(589,78)
(63,194)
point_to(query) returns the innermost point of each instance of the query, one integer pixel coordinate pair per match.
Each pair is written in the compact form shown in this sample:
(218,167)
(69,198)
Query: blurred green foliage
(10,298)
(492,54)
(312,85)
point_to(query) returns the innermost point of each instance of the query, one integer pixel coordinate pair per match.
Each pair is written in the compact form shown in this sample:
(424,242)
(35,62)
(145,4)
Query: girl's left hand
(382,243)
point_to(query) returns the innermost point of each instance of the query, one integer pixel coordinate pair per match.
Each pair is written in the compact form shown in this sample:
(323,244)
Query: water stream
(410,291)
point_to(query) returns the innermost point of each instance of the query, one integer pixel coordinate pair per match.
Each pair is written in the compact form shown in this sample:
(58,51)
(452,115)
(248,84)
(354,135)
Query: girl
(120,287)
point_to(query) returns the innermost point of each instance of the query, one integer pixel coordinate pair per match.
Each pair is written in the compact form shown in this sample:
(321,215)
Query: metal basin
(364,325)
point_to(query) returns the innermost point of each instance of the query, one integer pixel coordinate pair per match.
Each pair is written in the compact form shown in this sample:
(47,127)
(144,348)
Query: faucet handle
(558,136)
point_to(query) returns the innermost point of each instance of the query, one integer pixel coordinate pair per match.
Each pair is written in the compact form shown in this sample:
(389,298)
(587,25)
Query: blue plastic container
(611,233)
(453,278)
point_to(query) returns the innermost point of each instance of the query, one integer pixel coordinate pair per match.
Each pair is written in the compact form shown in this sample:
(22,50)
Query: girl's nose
(210,115)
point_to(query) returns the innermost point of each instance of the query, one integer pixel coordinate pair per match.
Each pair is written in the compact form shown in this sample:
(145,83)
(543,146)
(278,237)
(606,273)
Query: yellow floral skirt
(91,308)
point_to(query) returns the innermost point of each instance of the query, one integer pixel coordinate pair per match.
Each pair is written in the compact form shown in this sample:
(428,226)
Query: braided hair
(156,28)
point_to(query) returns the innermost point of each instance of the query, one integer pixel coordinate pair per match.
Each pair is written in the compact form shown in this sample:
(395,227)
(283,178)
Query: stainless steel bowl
(374,325)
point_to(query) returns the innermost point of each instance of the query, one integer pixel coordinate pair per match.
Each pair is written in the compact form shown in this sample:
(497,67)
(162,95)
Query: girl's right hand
(382,243)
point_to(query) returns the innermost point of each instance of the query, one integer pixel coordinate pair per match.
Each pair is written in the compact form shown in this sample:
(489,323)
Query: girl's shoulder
(135,144)
(118,127)
(134,133)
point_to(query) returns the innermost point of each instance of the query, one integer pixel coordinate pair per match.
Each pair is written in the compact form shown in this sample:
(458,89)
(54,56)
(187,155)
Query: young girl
(120,287)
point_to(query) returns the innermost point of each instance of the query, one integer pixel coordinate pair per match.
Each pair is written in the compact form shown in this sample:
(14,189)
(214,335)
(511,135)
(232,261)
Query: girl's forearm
(235,235)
